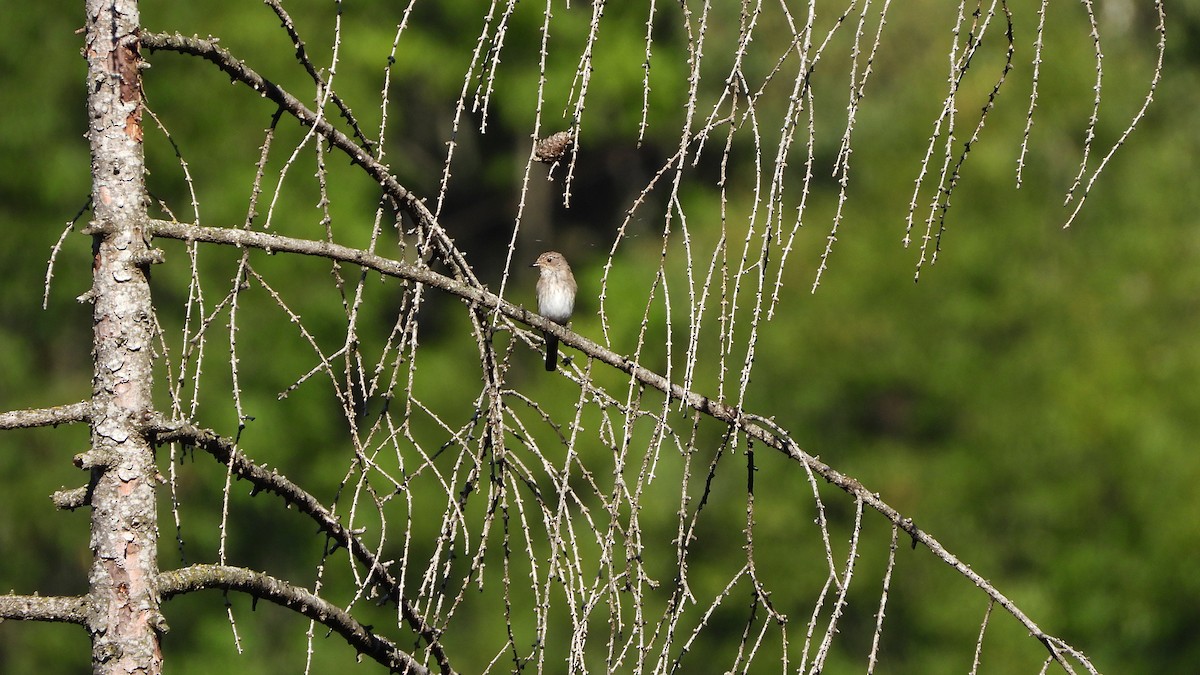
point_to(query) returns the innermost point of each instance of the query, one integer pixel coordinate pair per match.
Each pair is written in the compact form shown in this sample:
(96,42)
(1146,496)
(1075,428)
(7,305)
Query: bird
(556,297)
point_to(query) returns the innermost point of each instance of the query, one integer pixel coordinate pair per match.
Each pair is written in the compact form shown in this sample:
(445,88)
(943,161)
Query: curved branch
(755,427)
(64,609)
(240,72)
(302,57)
(271,481)
(1161,28)
(259,585)
(46,417)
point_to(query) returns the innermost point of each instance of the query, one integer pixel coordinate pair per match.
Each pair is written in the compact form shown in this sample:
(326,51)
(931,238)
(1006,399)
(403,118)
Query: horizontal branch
(275,243)
(265,480)
(64,609)
(753,426)
(74,498)
(46,417)
(266,587)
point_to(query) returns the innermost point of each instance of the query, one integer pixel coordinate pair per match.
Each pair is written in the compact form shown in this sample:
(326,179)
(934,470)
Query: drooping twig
(302,57)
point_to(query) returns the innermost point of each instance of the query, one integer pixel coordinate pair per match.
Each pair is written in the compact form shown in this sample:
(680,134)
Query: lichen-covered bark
(125,622)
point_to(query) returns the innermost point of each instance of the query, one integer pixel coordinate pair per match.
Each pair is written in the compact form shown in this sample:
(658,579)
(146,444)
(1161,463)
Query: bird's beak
(534,264)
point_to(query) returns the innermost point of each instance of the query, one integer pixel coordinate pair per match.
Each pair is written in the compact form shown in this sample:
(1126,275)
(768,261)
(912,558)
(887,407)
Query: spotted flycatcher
(556,297)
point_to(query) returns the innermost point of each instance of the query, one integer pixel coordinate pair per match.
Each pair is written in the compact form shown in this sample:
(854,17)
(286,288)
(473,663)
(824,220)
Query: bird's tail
(551,353)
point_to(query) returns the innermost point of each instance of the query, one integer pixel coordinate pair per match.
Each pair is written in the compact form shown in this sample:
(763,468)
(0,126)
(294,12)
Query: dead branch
(265,480)
(46,417)
(63,609)
(259,585)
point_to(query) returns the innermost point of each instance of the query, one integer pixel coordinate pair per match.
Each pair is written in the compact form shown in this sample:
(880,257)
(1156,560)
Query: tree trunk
(125,622)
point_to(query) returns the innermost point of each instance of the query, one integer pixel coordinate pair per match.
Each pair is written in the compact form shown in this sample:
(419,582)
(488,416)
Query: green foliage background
(1034,402)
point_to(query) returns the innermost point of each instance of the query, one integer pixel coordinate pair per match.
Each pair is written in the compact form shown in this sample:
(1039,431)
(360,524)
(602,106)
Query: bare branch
(259,585)
(753,426)
(69,500)
(979,642)
(360,156)
(46,417)
(302,57)
(883,597)
(271,481)
(61,609)
(1161,28)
